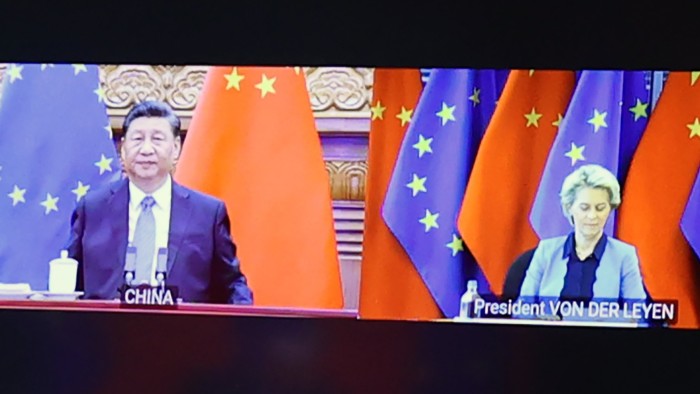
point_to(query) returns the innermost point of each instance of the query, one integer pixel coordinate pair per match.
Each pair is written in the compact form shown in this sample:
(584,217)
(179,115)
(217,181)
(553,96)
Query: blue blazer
(618,275)
(201,262)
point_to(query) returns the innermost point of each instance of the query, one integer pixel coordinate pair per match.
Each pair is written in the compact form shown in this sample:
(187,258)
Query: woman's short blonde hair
(589,176)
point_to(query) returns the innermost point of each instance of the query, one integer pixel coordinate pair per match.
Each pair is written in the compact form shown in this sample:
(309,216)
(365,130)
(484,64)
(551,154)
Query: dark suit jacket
(202,260)
(516,275)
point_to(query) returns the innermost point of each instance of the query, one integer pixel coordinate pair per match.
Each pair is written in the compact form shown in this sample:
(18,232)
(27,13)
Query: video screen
(467,196)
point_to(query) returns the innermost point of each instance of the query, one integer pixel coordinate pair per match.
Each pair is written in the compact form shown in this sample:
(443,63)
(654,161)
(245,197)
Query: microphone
(130,266)
(146,294)
(161,266)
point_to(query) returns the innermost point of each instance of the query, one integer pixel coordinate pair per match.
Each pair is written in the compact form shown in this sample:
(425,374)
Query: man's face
(149,149)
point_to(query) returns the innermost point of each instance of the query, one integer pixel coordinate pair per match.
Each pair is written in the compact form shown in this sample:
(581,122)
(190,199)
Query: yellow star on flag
(557,122)
(533,118)
(266,86)
(598,120)
(14,72)
(77,68)
(45,65)
(297,70)
(475,96)
(405,115)
(234,79)
(639,110)
(417,185)
(694,128)
(100,94)
(456,245)
(576,153)
(446,113)
(50,204)
(104,164)
(423,145)
(378,111)
(532,71)
(81,190)
(694,77)
(17,195)
(429,220)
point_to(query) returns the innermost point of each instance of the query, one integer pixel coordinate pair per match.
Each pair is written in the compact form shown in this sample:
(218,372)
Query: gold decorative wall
(334,91)
(347,179)
(340,91)
(126,85)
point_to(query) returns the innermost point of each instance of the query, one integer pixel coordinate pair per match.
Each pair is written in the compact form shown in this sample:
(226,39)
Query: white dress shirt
(161,214)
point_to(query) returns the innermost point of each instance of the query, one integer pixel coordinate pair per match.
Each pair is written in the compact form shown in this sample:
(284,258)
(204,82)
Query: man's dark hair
(153,109)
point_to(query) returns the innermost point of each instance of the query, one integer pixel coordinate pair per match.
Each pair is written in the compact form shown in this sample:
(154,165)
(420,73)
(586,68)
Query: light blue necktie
(145,241)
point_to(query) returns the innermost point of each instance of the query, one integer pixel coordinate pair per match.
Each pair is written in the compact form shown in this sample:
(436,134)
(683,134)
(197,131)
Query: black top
(580,273)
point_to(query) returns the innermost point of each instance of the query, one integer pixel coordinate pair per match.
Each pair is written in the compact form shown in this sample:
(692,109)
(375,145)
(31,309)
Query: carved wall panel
(349,226)
(347,179)
(179,86)
(340,91)
(335,92)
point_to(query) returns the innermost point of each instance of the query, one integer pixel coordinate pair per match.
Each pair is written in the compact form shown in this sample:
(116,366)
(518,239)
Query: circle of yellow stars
(104,164)
(17,195)
(430,220)
(576,153)
(423,146)
(474,98)
(456,245)
(598,120)
(417,185)
(446,114)
(50,202)
(14,72)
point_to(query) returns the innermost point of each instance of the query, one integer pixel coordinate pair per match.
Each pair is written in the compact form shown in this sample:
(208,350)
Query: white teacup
(63,273)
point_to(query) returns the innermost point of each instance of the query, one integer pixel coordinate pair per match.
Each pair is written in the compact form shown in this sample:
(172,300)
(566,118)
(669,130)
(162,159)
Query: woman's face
(590,211)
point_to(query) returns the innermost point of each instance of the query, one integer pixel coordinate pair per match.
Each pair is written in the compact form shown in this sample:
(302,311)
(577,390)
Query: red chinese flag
(253,143)
(656,191)
(494,220)
(390,286)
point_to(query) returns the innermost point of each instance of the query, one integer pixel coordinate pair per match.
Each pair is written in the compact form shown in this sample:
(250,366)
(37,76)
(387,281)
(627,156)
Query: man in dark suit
(149,211)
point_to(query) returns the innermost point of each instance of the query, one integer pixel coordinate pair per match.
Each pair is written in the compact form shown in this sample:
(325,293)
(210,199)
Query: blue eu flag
(55,147)
(636,96)
(600,126)
(430,177)
(690,221)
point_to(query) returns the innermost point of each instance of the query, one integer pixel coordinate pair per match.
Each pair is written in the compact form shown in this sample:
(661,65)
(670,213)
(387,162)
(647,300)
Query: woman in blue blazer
(587,263)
